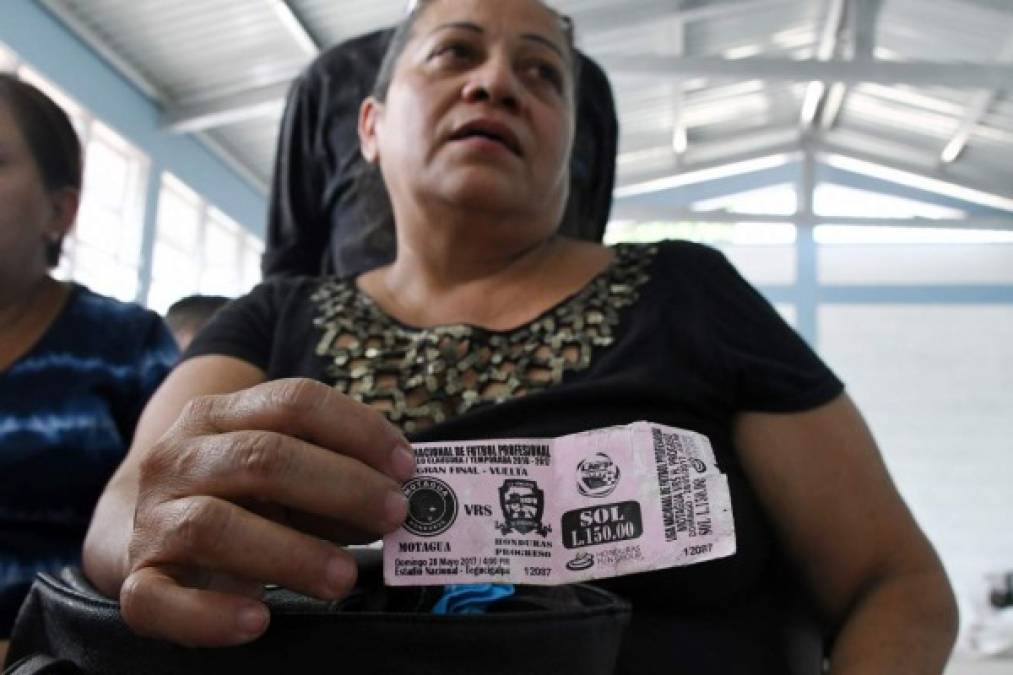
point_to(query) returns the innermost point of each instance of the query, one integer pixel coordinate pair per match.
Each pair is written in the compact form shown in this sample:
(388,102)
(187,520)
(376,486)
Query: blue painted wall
(50,48)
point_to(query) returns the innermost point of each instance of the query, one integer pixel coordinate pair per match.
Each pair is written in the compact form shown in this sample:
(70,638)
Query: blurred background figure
(188,315)
(987,617)
(76,368)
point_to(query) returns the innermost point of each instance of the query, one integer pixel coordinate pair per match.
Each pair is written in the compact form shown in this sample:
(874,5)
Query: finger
(212,534)
(312,412)
(155,605)
(270,467)
(236,586)
(193,577)
(327,529)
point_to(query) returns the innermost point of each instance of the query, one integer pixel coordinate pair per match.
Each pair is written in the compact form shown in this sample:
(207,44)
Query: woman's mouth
(485,131)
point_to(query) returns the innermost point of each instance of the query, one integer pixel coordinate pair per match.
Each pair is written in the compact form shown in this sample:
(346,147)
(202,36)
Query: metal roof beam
(958,75)
(977,108)
(832,104)
(863,16)
(655,151)
(680,135)
(724,10)
(249,104)
(610,16)
(936,181)
(687,195)
(864,19)
(295,26)
(730,143)
(757,160)
(888,170)
(663,212)
(824,52)
(735,145)
(268,99)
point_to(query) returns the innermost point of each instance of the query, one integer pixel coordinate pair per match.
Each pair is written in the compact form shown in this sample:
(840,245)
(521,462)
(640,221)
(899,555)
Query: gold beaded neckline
(422,376)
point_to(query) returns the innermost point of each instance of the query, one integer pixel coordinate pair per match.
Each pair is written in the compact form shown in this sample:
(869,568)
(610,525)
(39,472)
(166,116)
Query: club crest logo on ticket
(592,505)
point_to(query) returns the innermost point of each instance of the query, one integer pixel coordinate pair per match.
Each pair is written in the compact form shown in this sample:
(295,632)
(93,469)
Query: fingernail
(396,507)
(339,575)
(252,620)
(402,461)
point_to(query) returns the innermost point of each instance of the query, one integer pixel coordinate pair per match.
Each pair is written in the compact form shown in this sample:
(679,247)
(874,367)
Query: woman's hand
(253,487)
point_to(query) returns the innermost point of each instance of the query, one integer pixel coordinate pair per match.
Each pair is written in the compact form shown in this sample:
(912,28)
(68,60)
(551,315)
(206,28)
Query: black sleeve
(772,367)
(245,327)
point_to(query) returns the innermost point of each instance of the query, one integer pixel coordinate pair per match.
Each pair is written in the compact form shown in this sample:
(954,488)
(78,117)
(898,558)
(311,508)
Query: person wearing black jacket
(285,432)
(329,212)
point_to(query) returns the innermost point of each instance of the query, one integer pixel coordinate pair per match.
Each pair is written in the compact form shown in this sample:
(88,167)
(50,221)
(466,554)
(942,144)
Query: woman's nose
(494,82)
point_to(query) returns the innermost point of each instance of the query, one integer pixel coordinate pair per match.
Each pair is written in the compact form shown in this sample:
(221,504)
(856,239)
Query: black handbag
(66,627)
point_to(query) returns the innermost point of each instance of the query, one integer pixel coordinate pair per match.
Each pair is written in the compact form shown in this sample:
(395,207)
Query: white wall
(936,385)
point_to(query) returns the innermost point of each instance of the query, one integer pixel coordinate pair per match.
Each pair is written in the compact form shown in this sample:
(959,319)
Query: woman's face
(480,110)
(29,213)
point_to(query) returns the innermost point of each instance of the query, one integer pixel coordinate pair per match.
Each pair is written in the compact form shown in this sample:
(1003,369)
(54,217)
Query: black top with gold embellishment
(423,376)
(668,333)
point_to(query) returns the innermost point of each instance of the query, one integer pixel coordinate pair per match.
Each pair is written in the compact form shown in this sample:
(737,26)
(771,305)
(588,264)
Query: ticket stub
(591,505)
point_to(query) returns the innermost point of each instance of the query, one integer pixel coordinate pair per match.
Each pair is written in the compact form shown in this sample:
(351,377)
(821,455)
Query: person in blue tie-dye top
(76,368)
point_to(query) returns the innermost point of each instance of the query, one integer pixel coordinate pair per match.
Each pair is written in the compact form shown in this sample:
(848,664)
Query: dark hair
(193,311)
(403,33)
(51,139)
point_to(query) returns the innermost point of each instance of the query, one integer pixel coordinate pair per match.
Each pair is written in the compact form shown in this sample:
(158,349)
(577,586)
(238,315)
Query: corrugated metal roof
(251,142)
(193,50)
(196,52)
(336,21)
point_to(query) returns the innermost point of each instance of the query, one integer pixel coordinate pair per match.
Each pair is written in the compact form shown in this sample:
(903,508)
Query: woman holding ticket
(285,431)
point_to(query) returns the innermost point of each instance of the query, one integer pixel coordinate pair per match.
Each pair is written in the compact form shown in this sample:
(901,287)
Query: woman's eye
(547,73)
(455,51)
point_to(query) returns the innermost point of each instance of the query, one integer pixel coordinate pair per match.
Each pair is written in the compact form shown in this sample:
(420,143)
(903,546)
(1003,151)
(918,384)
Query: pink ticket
(592,505)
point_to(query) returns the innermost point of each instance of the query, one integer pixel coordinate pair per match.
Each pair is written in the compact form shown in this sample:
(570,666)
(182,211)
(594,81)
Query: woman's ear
(369,117)
(65,202)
